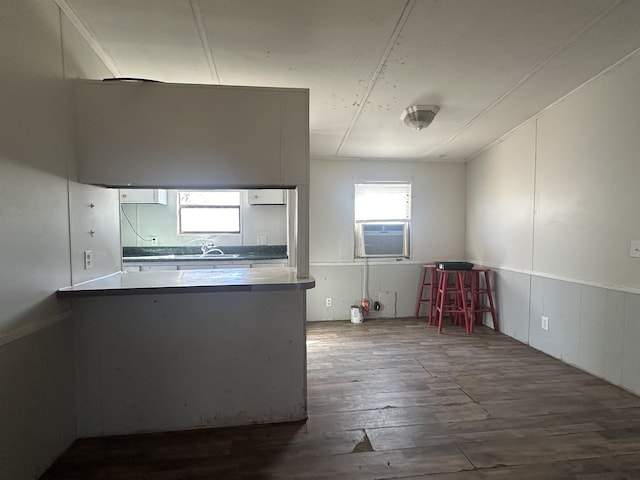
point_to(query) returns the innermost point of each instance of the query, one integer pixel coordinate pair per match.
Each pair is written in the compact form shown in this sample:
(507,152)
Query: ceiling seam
(204,39)
(524,79)
(535,116)
(406,11)
(89,37)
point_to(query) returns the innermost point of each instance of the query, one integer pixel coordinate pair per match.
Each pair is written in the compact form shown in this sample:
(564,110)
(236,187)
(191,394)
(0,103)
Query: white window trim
(380,236)
(180,206)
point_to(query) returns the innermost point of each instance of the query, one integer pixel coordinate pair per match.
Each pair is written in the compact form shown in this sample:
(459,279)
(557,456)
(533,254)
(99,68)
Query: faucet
(210,248)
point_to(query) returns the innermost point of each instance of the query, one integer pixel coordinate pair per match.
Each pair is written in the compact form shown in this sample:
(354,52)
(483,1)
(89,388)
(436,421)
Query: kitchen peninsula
(177,350)
(183,349)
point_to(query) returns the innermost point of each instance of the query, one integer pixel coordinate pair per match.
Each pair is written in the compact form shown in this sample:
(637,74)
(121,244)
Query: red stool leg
(462,294)
(492,309)
(423,276)
(433,293)
(428,284)
(474,293)
(442,288)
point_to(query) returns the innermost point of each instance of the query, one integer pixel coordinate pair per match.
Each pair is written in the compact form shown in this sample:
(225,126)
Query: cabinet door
(142,195)
(266,197)
(177,135)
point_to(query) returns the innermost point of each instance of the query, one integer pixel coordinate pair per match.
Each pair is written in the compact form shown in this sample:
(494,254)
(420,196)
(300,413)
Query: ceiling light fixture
(419,116)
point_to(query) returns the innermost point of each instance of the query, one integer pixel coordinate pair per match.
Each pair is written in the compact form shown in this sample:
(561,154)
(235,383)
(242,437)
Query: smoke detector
(419,116)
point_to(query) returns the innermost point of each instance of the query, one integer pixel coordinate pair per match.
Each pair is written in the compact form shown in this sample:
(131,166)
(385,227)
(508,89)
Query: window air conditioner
(382,239)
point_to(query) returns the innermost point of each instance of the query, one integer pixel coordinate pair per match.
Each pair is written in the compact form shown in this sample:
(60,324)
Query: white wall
(160,221)
(553,208)
(587,176)
(500,202)
(438,230)
(43,225)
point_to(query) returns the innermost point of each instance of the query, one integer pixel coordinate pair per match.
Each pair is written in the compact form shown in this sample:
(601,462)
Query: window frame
(180,207)
(363,226)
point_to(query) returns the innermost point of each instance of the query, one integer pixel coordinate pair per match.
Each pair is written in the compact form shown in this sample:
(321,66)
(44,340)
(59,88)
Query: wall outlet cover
(545,323)
(634,250)
(388,304)
(88,259)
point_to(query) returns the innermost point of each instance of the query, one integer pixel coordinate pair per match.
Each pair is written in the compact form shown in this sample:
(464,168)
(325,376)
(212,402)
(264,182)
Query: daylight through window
(209,212)
(382,214)
(382,201)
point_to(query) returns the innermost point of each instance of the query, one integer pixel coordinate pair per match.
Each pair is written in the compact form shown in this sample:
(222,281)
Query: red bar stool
(476,288)
(428,283)
(451,297)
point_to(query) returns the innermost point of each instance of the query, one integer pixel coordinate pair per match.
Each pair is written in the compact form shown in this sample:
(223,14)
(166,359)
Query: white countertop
(191,281)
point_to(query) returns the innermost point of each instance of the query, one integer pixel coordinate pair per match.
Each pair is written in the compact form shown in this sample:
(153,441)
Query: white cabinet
(266,197)
(143,195)
(199,136)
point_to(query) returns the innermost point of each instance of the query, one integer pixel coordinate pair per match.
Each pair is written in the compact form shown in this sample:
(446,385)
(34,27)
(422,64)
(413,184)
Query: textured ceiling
(488,64)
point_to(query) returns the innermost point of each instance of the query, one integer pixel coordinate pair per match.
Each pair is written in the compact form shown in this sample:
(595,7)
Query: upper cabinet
(266,197)
(142,195)
(149,134)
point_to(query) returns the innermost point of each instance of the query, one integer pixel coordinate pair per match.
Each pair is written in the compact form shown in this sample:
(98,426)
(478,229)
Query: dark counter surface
(193,254)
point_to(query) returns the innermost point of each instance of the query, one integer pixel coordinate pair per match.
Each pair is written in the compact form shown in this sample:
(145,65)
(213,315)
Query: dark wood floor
(393,399)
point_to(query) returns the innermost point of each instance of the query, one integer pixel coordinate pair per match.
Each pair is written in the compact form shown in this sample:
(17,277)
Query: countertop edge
(114,285)
(105,292)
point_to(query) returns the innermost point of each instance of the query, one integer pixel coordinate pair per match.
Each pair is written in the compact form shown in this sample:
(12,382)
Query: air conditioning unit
(382,239)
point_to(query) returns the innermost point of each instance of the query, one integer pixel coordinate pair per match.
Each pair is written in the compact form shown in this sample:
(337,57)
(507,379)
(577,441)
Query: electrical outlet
(88,259)
(634,251)
(261,240)
(328,302)
(545,323)
(154,241)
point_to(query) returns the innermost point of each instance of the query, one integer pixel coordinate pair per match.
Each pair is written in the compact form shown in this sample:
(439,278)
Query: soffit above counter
(152,134)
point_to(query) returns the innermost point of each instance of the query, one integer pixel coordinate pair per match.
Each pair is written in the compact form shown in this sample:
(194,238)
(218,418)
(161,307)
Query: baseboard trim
(33,327)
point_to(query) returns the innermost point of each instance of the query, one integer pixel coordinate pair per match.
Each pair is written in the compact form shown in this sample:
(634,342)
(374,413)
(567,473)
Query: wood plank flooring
(393,399)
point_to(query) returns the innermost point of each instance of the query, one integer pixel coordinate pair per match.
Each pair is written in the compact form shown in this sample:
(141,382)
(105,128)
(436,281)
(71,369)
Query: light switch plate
(88,259)
(545,323)
(634,251)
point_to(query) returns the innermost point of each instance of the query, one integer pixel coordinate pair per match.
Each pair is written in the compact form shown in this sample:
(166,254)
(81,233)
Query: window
(209,212)
(382,219)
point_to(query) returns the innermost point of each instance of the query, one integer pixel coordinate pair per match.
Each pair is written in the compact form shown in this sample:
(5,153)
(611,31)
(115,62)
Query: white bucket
(356,315)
